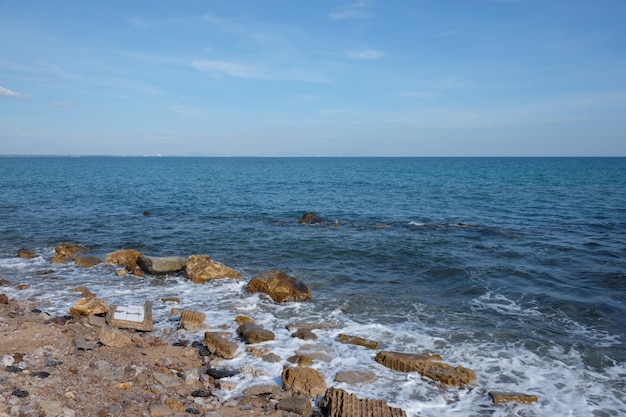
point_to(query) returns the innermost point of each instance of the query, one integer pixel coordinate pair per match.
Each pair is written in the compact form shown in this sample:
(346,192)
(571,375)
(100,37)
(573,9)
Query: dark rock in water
(310,218)
(219,373)
(26,253)
(253,333)
(279,286)
(359,341)
(21,393)
(147,213)
(66,251)
(86,261)
(338,403)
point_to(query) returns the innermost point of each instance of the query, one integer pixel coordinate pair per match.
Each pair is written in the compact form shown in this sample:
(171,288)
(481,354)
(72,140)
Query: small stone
(246,407)
(253,333)
(261,390)
(216,373)
(191,376)
(4,299)
(14,369)
(201,393)
(22,287)
(271,358)
(171,300)
(20,393)
(298,405)
(499,397)
(41,374)
(192,410)
(175,404)
(304,334)
(159,411)
(26,253)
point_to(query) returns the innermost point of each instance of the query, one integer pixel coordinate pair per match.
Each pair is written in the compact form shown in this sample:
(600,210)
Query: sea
(512,267)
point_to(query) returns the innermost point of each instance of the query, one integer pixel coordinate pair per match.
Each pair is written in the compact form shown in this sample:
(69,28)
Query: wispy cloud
(364,54)
(233,69)
(5,92)
(356,10)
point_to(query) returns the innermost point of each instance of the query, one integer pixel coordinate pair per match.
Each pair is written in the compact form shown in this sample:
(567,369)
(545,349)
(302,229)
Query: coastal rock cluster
(146,376)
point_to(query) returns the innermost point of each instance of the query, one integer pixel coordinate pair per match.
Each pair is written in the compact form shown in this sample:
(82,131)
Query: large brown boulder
(66,251)
(201,268)
(219,346)
(279,286)
(310,218)
(88,306)
(253,333)
(86,261)
(430,366)
(304,381)
(125,257)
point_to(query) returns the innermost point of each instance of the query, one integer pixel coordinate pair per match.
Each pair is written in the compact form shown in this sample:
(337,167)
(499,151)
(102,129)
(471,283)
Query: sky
(313,78)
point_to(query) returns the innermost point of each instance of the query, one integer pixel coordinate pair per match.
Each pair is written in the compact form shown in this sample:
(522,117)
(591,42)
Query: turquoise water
(514,267)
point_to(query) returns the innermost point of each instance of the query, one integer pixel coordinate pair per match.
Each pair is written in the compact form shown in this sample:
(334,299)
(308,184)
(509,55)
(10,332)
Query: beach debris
(253,333)
(499,397)
(201,268)
(192,321)
(279,286)
(161,265)
(125,257)
(310,218)
(430,366)
(89,305)
(359,341)
(131,317)
(65,252)
(26,253)
(87,261)
(220,346)
(303,381)
(339,403)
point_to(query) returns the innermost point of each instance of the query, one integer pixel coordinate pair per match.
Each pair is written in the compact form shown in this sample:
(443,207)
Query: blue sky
(330,78)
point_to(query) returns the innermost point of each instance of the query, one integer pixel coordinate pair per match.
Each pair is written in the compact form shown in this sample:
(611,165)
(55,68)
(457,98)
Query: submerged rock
(310,218)
(518,397)
(66,251)
(279,286)
(359,341)
(427,365)
(86,261)
(201,268)
(26,253)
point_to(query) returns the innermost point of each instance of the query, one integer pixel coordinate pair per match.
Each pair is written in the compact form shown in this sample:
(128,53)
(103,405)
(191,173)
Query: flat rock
(355,377)
(338,403)
(304,334)
(87,261)
(298,405)
(220,346)
(261,390)
(161,265)
(109,336)
(279,286)
(201,268)
(427,365)
(359,341)
(499,397)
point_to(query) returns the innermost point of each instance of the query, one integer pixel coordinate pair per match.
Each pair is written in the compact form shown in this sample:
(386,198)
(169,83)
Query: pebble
(20,393)
(8,360)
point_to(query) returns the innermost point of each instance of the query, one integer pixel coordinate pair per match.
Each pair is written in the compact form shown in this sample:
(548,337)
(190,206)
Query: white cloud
(357,10)
(364,54)
(5,92)
(233,69)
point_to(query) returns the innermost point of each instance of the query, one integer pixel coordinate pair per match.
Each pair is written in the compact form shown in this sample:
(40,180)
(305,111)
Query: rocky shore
(104,360)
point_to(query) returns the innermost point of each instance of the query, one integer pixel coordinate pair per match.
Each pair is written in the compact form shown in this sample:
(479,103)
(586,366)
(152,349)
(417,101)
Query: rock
(304,334)
(261,390)
(359,341)
(192,321)
(219,373)
(300,360)
(338,403)
(253,333)
(66,251)
(113,337)
(86,261)
(191,376)
(201,393)
(89,305)
(171,300)
(201,268)
(427,365)
(22,287)
(499,397)
(271,358)
(20,393)
(4,299)
(310,218)
(161,265)
(220,346)
(5,283)
(167,380)
(243,319)
(355,377)
(131,317)
(51,408)
(26,253)
(124,257)
(279,286)
(317,352)
(298,405)
(80,343)
(84,291)
(160,411)
(305,381)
